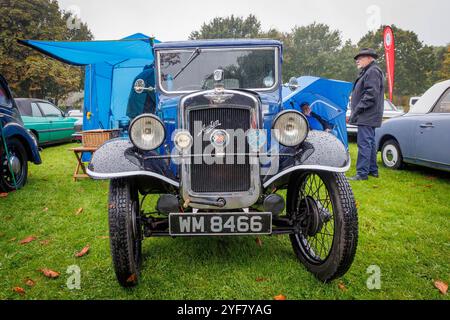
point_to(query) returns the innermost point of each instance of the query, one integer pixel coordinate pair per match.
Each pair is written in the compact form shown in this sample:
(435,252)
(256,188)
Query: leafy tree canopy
(30,74)
(228,27)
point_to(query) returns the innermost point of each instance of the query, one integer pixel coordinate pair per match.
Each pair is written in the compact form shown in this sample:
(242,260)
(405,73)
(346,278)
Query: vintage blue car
(17,144)
(211,136)
(422,136)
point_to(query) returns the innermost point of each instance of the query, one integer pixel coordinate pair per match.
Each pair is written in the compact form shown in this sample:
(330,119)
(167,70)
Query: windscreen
(192,70)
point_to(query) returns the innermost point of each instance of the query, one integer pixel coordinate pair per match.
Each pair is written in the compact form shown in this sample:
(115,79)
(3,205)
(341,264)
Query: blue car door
(433,133)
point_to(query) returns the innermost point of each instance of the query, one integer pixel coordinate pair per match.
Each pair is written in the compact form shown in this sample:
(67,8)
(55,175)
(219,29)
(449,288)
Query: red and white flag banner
(389,48)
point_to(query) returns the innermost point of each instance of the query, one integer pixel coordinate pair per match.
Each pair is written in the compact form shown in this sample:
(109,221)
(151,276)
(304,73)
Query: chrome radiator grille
(220,177)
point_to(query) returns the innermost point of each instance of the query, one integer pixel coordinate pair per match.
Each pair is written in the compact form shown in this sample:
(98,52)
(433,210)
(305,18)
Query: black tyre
(391,155)
(125,230)
(18,163)
(323,209)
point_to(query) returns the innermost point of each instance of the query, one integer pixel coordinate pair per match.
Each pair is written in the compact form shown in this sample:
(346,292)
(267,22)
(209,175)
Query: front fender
(15,130)
(321,151)
(118,159)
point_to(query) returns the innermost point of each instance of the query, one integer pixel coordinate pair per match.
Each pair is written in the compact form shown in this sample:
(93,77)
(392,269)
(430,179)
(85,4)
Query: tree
(344,67)
(444,70)
(415,62)
(29,73)
(228,27)
(311,50)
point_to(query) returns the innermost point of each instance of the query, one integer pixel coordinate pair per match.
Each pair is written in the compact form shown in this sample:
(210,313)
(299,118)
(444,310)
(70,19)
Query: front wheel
(125,231)
(13,170)
(391,155)
(323,210)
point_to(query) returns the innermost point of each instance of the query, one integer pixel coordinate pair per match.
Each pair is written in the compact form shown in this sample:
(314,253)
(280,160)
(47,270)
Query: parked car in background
(46,121)
(390,111)
(422,136)
(17,145)
(77,114)
(412,101)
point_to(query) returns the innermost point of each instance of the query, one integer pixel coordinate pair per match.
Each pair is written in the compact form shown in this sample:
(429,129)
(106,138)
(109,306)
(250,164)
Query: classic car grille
(220,177)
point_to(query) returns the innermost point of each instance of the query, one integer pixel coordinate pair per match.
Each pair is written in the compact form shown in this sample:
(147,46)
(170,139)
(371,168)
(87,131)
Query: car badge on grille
(218,97)
(220,138)
(208,128)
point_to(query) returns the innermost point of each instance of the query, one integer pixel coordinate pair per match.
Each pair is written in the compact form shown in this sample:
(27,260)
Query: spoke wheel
(314,218)
(323,211)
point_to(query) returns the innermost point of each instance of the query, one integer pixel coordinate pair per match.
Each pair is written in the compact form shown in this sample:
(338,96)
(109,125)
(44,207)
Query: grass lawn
(404,229)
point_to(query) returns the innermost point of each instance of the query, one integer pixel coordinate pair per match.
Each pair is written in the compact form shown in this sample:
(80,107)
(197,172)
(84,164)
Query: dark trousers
(367,153)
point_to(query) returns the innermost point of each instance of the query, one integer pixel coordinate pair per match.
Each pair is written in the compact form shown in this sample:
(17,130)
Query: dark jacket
(325,124)
(367,102)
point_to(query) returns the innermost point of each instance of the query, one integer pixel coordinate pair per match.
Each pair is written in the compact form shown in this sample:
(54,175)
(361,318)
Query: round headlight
(147,132)
(291,128)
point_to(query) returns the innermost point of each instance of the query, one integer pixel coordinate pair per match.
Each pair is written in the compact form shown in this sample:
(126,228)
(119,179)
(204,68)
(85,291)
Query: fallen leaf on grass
(19,290)
(30,282)
(132,278)
(79,211)
(428,186)
(441,286)
(12,239)
(45,210)
(102,237)
(27,240)
(50,273)
(279,297)
(83,252)
(357,204)
(260,279)
(45,242)
(259,242)
(3,195)
(342,286)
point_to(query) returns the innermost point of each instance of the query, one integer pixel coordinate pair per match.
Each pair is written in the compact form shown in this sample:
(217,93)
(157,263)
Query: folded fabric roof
(81,53)
(328,98)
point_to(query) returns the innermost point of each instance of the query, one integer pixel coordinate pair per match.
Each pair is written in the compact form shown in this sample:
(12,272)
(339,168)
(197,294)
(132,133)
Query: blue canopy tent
(327,98)
(111,67)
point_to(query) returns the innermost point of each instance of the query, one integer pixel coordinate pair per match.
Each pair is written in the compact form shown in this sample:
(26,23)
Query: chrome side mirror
(293,84)
(139,87)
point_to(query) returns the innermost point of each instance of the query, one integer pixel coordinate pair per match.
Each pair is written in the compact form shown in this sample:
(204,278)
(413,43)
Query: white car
(77,114)
(390,111)
(421,136)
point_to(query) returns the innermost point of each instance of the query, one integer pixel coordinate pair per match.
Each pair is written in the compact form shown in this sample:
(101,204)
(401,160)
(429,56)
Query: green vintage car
(46,121)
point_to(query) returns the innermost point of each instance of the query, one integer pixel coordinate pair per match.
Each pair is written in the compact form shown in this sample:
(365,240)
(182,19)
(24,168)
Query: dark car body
(12,129)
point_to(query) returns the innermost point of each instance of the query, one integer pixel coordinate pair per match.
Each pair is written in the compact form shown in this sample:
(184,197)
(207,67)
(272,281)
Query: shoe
(358,178)
(375,175)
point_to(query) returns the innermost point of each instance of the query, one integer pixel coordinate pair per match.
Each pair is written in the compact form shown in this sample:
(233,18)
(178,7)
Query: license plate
(214,224)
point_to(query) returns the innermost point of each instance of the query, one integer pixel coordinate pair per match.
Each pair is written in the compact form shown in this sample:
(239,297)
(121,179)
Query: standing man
(367,106)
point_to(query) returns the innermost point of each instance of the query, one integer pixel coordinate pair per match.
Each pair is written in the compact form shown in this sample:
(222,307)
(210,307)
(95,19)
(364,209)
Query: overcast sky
(175,19)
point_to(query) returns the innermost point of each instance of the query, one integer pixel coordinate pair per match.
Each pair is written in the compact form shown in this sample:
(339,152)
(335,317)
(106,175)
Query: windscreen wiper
(193,56)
